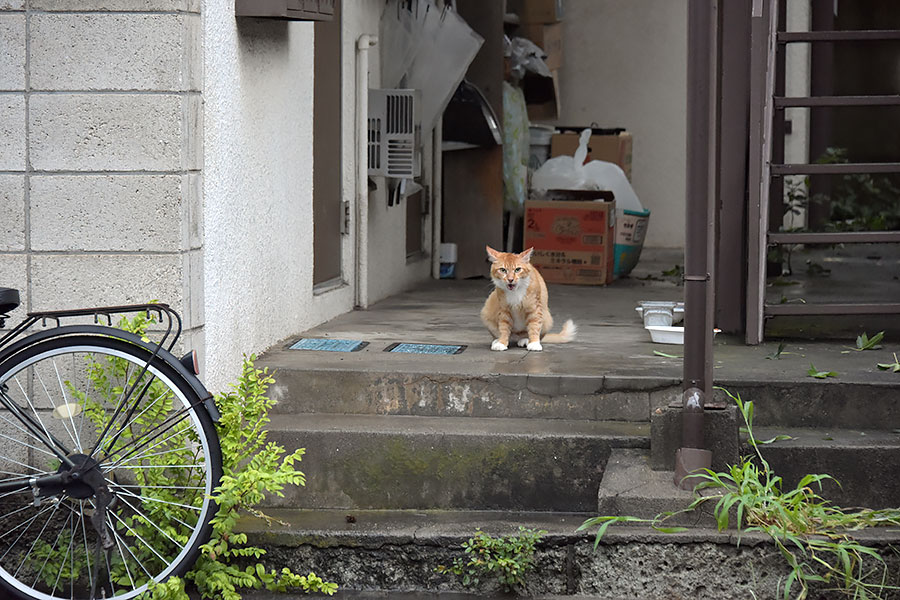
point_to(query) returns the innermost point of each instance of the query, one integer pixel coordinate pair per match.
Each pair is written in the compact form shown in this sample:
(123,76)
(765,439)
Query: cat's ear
(526,256)
(493,255)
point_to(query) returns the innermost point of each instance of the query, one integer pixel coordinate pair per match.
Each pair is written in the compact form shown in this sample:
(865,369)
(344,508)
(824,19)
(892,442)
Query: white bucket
(539,144)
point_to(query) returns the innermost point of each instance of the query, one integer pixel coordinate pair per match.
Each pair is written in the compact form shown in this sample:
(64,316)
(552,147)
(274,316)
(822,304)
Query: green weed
(508,559)
(810,534)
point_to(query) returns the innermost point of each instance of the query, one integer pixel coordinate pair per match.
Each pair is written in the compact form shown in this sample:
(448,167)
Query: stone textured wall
(100,165)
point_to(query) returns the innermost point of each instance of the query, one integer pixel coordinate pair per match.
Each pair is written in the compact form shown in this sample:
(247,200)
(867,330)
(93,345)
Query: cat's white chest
(515,299)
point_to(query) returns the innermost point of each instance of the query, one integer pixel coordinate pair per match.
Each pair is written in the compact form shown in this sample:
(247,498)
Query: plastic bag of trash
(571,173)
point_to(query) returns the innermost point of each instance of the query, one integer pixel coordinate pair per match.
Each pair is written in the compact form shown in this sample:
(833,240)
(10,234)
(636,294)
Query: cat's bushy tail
(565,335)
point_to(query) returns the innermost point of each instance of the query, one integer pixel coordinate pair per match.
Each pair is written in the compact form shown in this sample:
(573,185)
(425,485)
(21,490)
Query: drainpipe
(699,252)
(437,175)
(361,274)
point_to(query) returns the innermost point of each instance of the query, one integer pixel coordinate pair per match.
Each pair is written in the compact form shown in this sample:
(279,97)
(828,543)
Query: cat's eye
(502,270)
(518,269)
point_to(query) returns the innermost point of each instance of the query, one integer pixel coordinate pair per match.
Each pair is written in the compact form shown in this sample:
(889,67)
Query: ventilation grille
(393,139)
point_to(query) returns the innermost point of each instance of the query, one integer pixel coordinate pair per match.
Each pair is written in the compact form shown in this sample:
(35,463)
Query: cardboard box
(548,37)
(536,11)
(572,239)
(541,96)
(609,147)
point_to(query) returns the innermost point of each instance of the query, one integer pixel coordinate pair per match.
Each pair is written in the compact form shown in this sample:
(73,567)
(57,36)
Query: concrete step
(630,487)
(863,461)
(828,403)
(409,462)
(361,389)
(362,385)
(388,554)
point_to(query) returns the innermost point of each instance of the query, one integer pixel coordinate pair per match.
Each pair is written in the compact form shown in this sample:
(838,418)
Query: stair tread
(408,424)
(375,527)
(828,437)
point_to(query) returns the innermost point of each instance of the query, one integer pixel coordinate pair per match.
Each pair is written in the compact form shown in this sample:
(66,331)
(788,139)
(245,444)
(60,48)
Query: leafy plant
(894,366)
(813,372)
(861,201)
(244,484)
(809,533)
(507,558)
(252,468)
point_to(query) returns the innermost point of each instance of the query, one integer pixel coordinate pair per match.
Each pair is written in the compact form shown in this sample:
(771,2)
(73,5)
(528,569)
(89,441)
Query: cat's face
(510,271)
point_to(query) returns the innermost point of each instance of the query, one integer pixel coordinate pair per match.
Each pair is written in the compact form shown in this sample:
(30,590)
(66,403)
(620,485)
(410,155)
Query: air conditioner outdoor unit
(394,127)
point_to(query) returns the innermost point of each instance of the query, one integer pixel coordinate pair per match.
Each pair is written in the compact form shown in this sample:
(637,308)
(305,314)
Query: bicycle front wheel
(101,405)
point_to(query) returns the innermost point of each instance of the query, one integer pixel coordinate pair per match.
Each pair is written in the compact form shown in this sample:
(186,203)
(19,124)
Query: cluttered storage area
(563,115)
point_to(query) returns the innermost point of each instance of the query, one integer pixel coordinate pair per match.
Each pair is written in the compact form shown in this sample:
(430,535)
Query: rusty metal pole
(699,252)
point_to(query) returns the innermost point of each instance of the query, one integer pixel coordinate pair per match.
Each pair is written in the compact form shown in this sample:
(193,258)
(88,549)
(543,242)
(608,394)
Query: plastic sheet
(447,47)
(526,56)
(516,147)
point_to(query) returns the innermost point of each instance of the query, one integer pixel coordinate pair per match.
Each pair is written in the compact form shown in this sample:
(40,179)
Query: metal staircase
(767,168)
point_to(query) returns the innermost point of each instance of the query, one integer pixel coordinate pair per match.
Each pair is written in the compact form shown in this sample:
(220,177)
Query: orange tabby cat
(518,305)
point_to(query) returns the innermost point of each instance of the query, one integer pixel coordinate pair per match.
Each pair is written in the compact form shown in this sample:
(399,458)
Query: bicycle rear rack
(164,312)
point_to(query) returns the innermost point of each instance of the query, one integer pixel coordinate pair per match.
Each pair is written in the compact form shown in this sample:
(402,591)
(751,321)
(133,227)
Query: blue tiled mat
(424,348)
(328,345)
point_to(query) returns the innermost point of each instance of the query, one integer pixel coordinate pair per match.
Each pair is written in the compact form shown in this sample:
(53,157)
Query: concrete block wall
(101,160)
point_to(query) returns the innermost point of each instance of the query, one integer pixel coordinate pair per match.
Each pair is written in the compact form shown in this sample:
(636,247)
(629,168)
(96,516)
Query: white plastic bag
(570,173)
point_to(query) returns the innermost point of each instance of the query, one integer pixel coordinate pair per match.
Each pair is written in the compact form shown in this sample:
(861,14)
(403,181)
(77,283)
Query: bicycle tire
(159,455)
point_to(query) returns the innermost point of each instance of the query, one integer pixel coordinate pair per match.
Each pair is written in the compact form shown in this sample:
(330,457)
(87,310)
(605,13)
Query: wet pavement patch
(328,345)
(408,348)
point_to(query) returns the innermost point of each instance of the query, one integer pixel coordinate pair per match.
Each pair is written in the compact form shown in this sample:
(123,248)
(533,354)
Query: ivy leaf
(813,372)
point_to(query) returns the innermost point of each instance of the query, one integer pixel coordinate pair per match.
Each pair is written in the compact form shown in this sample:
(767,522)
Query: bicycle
(108,455)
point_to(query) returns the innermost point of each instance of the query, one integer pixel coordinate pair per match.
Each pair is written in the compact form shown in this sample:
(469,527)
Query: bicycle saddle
(9,300)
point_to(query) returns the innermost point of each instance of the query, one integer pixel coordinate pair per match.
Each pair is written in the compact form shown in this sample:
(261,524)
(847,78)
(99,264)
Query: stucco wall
(388,270)
(626,66)
(257,187)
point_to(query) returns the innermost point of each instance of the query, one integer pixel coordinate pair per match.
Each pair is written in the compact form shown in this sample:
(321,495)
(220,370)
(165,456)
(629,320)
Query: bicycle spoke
(73,435)
(25,524)
(158,487)
(25,557)
(44,564)
(131,416)
(112,585)
(157,500)
(127,547)
(126,463)
(18,424)
(87,551)
(150,522)
(148,436)
(61,451)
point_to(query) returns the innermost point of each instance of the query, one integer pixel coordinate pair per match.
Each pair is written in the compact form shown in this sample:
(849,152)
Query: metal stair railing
(766,42)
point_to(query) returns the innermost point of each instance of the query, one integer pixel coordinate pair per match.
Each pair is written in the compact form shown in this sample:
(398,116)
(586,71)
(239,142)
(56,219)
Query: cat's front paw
(522,342)
(534,346)
(498,346)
